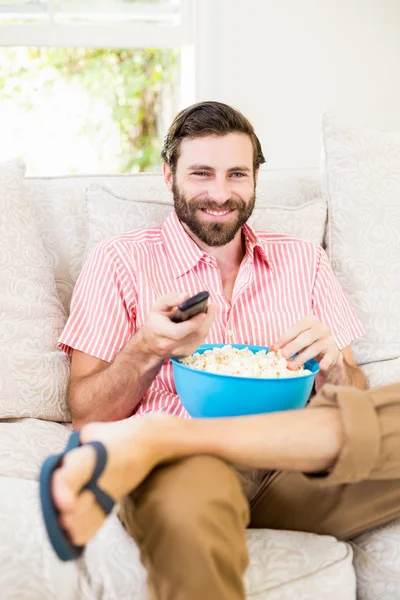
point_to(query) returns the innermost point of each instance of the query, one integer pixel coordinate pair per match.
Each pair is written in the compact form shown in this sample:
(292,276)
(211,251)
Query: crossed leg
(351,437)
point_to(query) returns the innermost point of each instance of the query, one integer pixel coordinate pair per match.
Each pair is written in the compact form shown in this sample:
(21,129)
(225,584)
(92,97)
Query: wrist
(142,346)
(339,364)
(337,372)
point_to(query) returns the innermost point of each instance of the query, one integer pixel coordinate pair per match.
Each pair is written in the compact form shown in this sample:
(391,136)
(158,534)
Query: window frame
(136,35)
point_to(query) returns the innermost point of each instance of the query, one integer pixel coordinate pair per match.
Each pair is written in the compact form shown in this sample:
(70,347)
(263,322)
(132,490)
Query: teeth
(217,213)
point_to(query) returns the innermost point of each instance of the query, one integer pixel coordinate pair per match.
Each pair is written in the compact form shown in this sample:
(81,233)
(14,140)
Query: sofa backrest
(63,218)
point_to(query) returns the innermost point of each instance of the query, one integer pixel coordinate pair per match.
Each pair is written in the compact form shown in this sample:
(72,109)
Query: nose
(219,189)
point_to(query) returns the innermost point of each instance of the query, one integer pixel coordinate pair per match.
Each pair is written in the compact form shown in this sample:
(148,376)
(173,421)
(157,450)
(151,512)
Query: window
(91,86)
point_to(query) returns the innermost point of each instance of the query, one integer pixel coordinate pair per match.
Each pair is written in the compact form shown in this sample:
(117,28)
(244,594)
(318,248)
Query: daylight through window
(95,107)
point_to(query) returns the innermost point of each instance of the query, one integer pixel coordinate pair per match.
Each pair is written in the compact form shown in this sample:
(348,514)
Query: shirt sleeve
(103,308)
(331,306)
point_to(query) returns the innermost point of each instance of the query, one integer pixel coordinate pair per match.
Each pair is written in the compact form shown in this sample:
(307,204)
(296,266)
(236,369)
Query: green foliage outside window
(132,82)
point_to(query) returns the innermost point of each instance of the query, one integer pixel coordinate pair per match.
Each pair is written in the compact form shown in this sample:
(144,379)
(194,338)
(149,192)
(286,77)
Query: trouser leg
(189,519)
(361,491)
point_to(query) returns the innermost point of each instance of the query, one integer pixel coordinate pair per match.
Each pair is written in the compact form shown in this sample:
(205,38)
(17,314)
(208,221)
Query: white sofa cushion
(382,372)
(110,214)
(30,570)
(306,221)
(61,215)
(33,373)
(361,183)
(377,563)
(283,565)
(26,443)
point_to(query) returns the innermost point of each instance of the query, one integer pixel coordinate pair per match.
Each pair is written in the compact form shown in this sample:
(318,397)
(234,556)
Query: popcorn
(245,363)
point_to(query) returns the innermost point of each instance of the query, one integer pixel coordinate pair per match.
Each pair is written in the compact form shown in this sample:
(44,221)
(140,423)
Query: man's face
(214,186)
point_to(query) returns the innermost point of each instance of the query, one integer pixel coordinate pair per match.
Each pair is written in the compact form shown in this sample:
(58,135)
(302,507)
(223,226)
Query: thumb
(169,301)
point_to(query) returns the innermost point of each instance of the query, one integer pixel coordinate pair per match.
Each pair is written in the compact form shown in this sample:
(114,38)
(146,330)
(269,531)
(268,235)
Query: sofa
(47,228)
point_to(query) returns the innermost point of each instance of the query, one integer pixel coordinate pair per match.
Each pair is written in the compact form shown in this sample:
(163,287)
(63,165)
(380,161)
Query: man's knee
(193,504)
(189,494)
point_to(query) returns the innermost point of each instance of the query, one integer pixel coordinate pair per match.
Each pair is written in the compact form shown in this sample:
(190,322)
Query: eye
(238,175)
(200,173)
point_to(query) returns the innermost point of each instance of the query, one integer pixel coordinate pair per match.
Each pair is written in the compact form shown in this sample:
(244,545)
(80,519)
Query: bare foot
(133,451)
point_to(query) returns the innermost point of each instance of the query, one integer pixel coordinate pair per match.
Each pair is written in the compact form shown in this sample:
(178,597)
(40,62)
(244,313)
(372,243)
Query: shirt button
(207,259)
(230,333)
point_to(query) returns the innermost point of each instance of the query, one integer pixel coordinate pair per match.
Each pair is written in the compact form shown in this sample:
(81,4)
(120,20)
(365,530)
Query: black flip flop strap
(102,498)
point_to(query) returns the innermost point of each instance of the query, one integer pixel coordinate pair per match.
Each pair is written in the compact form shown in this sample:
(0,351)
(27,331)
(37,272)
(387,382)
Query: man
(266,289)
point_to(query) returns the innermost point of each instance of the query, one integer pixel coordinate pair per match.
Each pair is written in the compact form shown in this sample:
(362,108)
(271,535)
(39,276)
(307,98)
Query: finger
(198,337)
(211,314)
(180,331)
(317,351)
(169,301)
(302,325)
(302,341)
(195,325)
(328,361)
(170,334)
(202,332)
(312,351)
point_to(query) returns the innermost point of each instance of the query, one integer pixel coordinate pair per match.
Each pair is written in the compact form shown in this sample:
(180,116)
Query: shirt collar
(184,253)
(254,243)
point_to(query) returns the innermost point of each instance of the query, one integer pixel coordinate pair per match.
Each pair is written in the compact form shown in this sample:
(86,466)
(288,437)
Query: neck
(229,256)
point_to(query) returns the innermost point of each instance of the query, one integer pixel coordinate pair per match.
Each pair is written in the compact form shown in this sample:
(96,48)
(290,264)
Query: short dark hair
(208,118)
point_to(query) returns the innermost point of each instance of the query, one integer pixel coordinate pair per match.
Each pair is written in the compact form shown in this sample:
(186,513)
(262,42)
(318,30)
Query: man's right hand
(166,339)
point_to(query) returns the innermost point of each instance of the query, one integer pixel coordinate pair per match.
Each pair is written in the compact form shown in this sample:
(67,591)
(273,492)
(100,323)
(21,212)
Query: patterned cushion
(361,181)
(306,221)
(377,563)
(283,565)
(25,443)
(61,214)
(30,570)
(111,214)
(382,372)
(33,374)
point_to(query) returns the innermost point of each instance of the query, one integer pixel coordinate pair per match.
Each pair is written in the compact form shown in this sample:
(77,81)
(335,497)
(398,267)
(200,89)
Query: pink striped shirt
(280,280)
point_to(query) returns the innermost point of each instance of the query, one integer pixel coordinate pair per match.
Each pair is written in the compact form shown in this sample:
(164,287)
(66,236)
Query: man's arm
(326,333)
(101,391)
(310,339)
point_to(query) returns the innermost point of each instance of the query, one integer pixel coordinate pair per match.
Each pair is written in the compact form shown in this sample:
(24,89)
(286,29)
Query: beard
(212,234)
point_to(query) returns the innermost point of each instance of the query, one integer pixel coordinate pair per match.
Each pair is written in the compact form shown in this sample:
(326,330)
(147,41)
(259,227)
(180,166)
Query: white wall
(284,62)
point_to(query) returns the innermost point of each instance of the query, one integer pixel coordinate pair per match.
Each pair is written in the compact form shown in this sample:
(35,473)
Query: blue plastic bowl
(206,394)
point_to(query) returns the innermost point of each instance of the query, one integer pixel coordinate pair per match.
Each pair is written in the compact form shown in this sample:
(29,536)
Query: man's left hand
(309,338)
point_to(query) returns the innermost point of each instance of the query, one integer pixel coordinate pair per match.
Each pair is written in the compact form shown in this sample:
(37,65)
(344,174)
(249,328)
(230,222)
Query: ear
(168,176)
(256,175)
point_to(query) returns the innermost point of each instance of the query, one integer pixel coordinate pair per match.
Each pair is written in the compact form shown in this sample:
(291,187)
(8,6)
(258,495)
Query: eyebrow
(208,168)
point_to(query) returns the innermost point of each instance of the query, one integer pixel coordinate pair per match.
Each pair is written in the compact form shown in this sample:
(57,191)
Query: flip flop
(63,547)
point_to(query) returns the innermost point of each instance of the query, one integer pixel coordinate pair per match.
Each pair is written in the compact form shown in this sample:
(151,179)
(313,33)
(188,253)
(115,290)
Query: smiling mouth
(216,213)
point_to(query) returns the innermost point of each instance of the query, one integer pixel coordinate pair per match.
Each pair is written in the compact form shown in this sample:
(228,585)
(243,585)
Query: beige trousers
(189,517)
